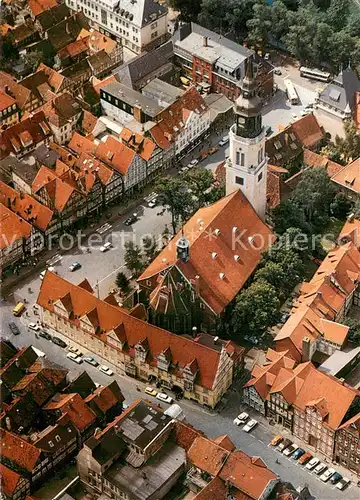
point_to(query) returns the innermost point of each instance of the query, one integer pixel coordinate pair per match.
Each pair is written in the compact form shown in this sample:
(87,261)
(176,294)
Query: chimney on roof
(236,258)
(205,41)
(8,423)
(67,28)
(306,351)
(97,431)
(194,331)
(234,229)
(215,339)
(213,255)
(222,276)
(351,217)
(137,112)
(217,231)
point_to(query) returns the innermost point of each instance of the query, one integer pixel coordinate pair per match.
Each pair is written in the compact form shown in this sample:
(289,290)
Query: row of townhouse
(45,419)
(199,369)
(180,123)
(317,407)
(165,454)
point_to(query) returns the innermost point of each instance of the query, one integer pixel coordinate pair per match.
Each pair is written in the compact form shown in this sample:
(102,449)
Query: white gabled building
(136,24)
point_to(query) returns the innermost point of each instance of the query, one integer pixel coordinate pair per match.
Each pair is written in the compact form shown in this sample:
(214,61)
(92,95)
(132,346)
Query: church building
(191,282)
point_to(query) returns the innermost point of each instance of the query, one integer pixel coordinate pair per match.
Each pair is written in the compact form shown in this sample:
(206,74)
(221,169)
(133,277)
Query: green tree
(256,308)
(8,51)
(133,258)
(122,282)
(175,199)
(288,214)
(314,194)
(150,248)
(273,273)
(349,146)
(199,180)
(259,26)
(341,206)
(338,14)
(189,8)
(354,330)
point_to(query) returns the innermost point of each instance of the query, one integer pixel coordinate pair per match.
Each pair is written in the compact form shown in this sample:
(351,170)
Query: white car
(327,475)
(51,269)
(183,170)
(164,397)
(250,425)
(193,163)
(34,326)
(294,115)
(320,468)
(312,463)
(224,140)
(74,357)
(241,419)
(290,450)
(342,484)
(106,247)
(152,203)
(105,369)
(74,350)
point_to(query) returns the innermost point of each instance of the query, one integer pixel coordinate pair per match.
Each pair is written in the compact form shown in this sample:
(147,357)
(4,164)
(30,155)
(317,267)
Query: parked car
(50,268)
(241,419)
(335,478)
(277,71)
(294,115)
(290,450)
(90,360)
(194,162)
(305,458)
(44,335)
(153,202)
(75,350)
(58,342)
(276,440)
(298,453)
(319,469)
(313,463)
(224,140)
(327,475)
(106,247)
(131,220)
(14,329)
(34,326)
(164,397)
(203,156)
(250,425)
(284,444)
(75,266)
(183,170)
(252,340)
(105,369)
(74,358)
(343,483)
(151,391)
(213,150)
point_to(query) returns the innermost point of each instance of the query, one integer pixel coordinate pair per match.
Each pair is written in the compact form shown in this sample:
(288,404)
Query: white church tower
(246,167)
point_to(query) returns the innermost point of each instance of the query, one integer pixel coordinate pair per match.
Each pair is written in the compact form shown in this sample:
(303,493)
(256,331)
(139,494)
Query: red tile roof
(9,480)
(246,474)
(20,93)
(173,119)
(88,122)
(26,207)
(39,6)
(307,130)
(213,252)
(350,232)
(183,350)
(225,442)
(349,177)
(207,455)
(55,79)
(18,451)
(13,227)
(143,146)
(29,132)
(185,434)
(58,190)
(312,159)
(215,490)
(276,189)
(74,49)
(6,101)
(115,154)
(81,144)
(103,398)
(158,136)
(73,405)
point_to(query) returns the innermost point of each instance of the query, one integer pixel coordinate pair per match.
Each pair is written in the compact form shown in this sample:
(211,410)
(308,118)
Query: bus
(18,309)
(291,92)
(314,74)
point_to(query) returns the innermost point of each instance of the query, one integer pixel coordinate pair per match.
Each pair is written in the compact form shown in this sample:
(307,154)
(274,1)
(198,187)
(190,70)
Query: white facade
(134,23)
(246,169)
(196,125)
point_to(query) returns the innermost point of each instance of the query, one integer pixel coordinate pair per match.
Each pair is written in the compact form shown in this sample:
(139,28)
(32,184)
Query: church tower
(246,167)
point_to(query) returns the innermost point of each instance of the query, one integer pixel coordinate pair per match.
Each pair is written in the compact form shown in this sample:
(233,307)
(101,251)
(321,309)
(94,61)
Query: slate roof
(340,93)
(52,16)
(130,73)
